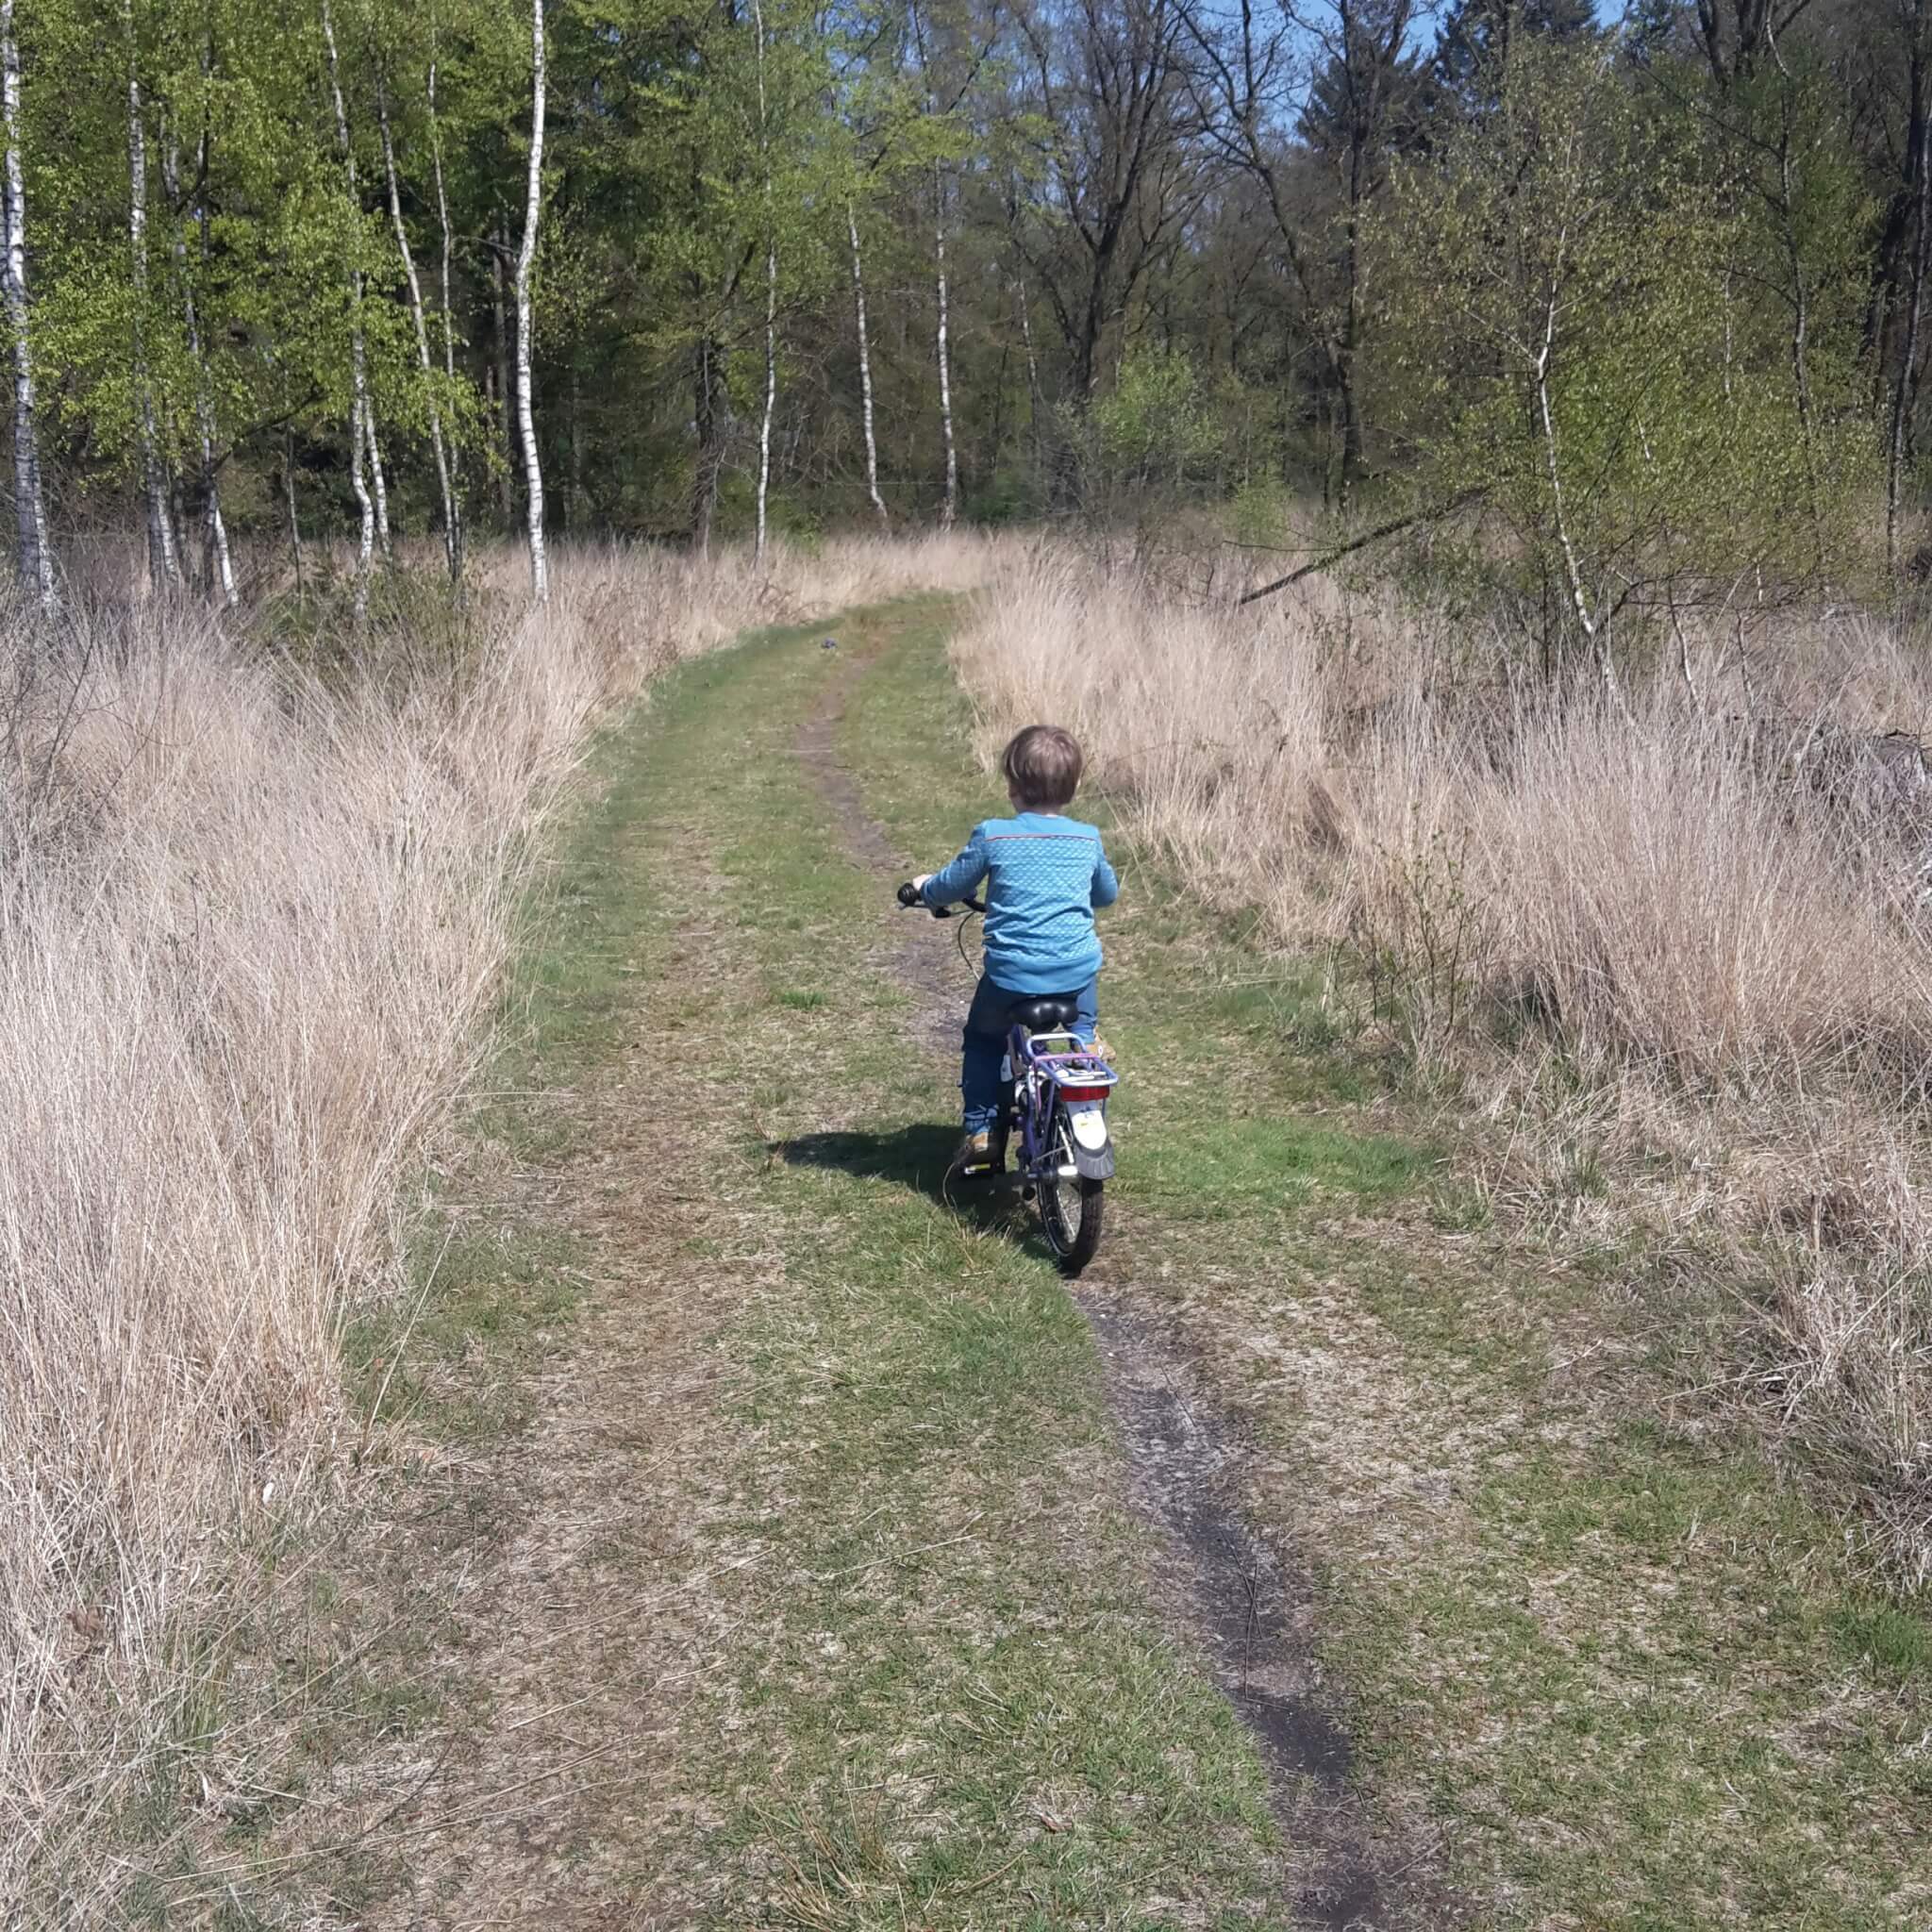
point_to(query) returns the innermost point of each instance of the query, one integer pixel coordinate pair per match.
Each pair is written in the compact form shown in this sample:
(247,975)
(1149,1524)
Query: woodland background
(1641,301)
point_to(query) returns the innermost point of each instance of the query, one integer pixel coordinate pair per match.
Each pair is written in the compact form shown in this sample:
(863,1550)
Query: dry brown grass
(1675,944)
(252,920)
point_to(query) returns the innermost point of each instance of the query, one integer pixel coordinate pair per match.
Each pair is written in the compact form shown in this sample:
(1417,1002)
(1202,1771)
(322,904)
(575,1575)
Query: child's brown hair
(1042,765)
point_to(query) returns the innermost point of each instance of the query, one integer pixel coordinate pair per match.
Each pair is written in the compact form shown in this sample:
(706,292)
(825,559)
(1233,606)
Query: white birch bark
(1032,371)
(871,446)
(163,561)
(30,508)
(377,483)
(449,327)
(361,429)
(222,561)
(451,553)
(358,482)
(771,388)
(1573,570)
(770,298)
(526,262)
(951,508)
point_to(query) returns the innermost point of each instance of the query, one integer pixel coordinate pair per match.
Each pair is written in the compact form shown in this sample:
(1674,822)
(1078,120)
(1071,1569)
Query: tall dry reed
(1707,896)
(252,920)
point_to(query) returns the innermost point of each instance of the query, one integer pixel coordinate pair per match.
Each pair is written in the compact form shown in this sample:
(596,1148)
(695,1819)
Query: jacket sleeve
(1107,888)
(947,887)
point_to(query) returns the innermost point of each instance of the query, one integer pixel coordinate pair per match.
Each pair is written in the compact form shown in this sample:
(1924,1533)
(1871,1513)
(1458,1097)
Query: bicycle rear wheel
(1070,1210)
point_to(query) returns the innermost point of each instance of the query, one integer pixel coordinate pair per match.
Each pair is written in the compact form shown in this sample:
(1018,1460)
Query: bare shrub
(1711,906)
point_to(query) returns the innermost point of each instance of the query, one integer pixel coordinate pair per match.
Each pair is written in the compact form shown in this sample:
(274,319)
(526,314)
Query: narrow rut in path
(1219,1581)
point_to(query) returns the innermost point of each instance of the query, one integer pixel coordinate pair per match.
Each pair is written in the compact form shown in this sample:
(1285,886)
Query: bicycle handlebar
(910,895)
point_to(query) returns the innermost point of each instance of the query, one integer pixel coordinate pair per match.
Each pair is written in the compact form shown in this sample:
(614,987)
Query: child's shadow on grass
(918,1159)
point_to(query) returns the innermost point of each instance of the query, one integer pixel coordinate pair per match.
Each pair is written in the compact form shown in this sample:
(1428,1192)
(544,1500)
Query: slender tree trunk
(865,411)
(220,562)
(378,482)
(574,508)
(451,548)
(1593,629)
(705,421)
(1905,393)
(361,429)
(358,482)
(288,493)
(1032,375)
(163,561)
(951,506)
(990,462)
(204,416)
(770,296)
(505,394)
(30,509)
(449,329)
(1801,308)
(526,263)
(173,479)
(771,391)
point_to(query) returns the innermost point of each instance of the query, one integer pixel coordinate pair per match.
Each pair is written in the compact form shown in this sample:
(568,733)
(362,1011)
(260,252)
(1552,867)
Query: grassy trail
(787,1554)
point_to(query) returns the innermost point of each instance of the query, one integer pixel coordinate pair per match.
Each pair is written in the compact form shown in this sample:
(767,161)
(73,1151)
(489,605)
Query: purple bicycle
(1056,1094)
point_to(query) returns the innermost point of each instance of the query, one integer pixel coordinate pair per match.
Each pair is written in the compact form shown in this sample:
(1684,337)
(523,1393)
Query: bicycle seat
(1048,1015)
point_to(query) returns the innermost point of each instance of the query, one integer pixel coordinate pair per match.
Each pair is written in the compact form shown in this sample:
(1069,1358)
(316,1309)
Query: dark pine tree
(1472,53)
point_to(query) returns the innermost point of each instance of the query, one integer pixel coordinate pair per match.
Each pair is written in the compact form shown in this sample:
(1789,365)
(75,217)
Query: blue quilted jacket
(1043,876)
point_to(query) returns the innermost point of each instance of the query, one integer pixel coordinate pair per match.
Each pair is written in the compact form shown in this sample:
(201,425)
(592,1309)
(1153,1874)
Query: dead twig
(1393,527)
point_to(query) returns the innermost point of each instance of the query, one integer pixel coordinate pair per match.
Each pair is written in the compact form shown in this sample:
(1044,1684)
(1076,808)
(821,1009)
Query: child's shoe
(980,1152)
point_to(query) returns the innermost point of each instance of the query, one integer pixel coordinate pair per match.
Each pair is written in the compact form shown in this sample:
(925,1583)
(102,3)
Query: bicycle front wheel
(1070,1208)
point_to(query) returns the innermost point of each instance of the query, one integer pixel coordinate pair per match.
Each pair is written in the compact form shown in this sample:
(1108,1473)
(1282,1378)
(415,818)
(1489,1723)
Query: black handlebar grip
(910,894)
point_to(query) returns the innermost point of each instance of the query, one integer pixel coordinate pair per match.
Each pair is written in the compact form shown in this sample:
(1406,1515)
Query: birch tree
(449,329)
(221,566)
(30,511)
(165,566)
(526,264)
(943,139)
(950,507)
(361,425)
(764,143)
(1916,198)
(451,541)
(865,402)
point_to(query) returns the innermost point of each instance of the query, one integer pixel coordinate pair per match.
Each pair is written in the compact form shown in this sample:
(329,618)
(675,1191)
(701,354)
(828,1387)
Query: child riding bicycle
(1044,875)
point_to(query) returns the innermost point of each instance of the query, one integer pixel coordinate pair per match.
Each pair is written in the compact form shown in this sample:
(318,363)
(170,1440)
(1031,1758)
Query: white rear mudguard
(1093,1144)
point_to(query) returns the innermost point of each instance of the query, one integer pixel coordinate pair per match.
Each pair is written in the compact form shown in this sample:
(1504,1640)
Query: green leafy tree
(1572,348)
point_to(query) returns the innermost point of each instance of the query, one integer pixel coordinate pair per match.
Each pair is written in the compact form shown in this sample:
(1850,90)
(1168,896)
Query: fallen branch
(1393,527)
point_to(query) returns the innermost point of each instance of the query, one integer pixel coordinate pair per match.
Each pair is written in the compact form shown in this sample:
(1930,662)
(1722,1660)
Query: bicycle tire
(1072,1244)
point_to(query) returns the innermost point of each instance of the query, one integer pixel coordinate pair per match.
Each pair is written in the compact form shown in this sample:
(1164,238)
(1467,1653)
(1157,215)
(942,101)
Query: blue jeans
(985,1042)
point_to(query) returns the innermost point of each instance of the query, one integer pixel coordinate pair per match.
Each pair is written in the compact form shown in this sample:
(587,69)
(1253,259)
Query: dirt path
(1220,1582)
